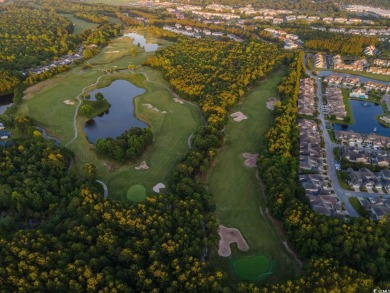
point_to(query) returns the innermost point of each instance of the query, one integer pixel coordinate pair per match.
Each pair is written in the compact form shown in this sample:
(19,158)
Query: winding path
(105,188)
(78,106)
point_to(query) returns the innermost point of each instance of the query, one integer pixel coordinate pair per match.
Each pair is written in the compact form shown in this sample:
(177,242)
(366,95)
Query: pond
(120,117)
(361,78)
(140,40)
(364,115)
(5,102)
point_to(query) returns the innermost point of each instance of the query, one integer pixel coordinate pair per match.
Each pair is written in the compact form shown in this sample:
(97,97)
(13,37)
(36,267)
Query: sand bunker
(164,112)
(177,100)
(238,116)
(158,186)
(228,236)
(141,166)
(271,103)
(69,102)
(150,106)
(109,52)
(250,159)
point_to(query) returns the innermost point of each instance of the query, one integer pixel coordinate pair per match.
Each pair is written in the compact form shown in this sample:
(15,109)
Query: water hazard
(120,117)
(140,40)
(364,114)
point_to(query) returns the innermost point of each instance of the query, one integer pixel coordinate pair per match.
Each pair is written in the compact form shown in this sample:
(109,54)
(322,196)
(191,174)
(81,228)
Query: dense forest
(128,146)
(213,73)
(30,37)
(69,238)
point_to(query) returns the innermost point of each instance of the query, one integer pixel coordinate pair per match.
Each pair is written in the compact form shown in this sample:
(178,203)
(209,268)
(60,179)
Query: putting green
(252,268)
(136,193)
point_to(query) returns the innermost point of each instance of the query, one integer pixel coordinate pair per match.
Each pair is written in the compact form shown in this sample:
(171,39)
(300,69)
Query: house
(379,211)
(370,50)
(325,204)
(358,93)
(355,155)
(349,137)
(361,178)
(351,81)
(307,163)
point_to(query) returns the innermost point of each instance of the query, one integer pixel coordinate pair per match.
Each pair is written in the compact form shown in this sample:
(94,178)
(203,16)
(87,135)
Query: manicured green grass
(79,24)
(136,193)
(252,268)
(237,192)
(358,207)
(380,77)
(45,103)
(342,183)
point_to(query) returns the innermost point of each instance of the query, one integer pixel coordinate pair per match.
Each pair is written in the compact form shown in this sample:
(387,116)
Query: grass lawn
(358,207)
(80,24)
(342,183)
(136,193)
(170,130)
(252,268)
(236,190)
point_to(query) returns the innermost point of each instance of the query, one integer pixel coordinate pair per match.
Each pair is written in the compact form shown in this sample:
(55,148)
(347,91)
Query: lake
(364,115)
(5,102)
(138,39)
(324,73)
(120,117)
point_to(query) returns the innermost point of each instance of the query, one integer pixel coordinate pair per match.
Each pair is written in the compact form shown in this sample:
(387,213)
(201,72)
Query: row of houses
(339,80)
(379,70)
(335,104)
(381,62)
(306,101)
(334,79)
(319,61)
(357,65)
(313,177)
(311,156)
(383,32)
(371,140)
(353,154)
(376,207)
(65,60)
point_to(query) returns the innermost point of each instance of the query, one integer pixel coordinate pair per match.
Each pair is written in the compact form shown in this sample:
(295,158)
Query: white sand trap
(150,106)
(177,100)
(69,102)
(271,103)
(228,236)
(110,52)
(158,186)
(141,166)
(250,159)
(238,116)
(164,112)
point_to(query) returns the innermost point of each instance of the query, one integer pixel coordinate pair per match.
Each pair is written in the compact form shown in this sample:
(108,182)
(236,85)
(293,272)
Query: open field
(171,130)
(79,24)
(237,192)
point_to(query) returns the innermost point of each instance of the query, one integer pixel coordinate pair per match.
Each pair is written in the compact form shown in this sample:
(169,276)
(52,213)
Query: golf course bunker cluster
(228,236)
